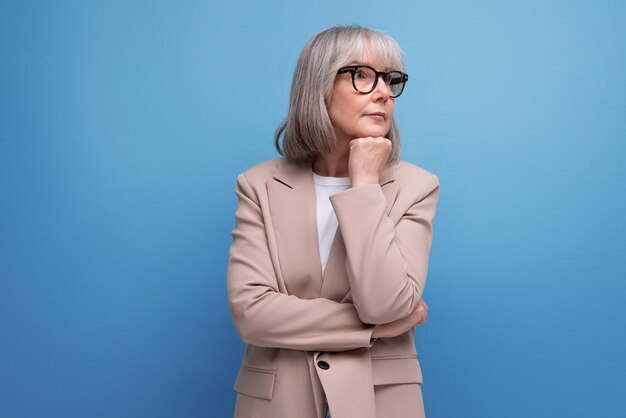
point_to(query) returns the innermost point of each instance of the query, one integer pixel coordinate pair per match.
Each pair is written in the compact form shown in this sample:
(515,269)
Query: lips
(377,115)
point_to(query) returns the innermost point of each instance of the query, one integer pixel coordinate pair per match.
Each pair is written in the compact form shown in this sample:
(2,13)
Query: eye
(360,74)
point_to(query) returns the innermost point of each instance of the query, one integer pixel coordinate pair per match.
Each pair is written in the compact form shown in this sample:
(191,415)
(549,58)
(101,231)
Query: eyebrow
(386,69)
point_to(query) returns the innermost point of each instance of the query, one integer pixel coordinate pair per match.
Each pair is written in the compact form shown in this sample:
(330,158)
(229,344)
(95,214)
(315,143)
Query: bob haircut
(308,131)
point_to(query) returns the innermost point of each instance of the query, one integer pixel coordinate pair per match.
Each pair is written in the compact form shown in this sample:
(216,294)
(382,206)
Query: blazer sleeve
(265,317)
(386,262)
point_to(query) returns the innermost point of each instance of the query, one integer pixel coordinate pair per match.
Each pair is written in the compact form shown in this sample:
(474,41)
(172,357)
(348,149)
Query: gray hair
(308,131)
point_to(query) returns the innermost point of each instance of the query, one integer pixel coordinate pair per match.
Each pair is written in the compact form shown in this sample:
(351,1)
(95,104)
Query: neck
(334,164)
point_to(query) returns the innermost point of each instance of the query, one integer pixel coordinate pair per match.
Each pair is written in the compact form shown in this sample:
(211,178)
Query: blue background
(123,126)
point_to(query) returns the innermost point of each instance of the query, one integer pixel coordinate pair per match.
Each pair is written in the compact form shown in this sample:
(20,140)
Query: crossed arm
(265,317)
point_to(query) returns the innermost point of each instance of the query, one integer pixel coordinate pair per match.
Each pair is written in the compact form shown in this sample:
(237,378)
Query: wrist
(378,332)
(365,181)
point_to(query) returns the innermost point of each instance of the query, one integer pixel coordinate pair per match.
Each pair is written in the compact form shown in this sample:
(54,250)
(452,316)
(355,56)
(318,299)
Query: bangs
(375,47)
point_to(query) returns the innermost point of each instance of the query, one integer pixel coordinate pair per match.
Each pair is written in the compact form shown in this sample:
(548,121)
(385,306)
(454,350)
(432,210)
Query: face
(358,115)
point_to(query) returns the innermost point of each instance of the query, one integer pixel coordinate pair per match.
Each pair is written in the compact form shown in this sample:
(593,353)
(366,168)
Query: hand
(400,326)
(368,157)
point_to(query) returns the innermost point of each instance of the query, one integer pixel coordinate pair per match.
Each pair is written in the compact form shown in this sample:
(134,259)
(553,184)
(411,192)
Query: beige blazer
(308,335)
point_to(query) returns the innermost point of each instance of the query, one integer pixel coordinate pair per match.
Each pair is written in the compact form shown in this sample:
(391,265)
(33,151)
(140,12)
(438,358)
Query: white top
(326,219)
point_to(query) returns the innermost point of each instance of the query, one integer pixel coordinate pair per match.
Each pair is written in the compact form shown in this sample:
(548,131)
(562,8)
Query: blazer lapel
(293,208)
(292,201)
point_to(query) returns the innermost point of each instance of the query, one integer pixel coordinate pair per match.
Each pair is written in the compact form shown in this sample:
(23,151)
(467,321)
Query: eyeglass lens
(365,79)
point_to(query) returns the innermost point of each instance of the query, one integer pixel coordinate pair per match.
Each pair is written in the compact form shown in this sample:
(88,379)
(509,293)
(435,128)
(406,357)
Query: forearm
(386,263)
(278,320)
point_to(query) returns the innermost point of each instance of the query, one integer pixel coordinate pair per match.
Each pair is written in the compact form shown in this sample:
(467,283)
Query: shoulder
(414,179)
(252,182)
(259,173)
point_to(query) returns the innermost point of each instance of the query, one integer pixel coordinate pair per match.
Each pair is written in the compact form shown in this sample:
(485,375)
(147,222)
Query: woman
(331,243)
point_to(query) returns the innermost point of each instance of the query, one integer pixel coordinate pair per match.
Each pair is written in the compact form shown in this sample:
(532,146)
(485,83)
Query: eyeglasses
(365,78)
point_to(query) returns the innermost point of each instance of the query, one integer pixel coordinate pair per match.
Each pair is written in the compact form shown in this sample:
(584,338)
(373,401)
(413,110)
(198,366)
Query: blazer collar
(295,175)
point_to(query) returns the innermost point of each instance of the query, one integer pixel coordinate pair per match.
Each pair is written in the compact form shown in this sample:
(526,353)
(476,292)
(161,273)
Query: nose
(382,90)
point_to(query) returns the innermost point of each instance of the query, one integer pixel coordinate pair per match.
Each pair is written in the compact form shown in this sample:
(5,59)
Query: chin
(376,131)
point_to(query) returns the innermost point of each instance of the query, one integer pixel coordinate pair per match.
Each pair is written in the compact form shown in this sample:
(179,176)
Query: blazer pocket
(258,383)
(397,369)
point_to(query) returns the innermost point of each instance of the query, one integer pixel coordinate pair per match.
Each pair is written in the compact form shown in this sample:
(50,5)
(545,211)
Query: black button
(323,365)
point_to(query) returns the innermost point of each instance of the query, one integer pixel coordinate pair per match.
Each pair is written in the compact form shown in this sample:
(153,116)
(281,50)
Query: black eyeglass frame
(352,69)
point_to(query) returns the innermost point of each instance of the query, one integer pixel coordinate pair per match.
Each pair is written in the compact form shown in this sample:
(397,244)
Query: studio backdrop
(123,127)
